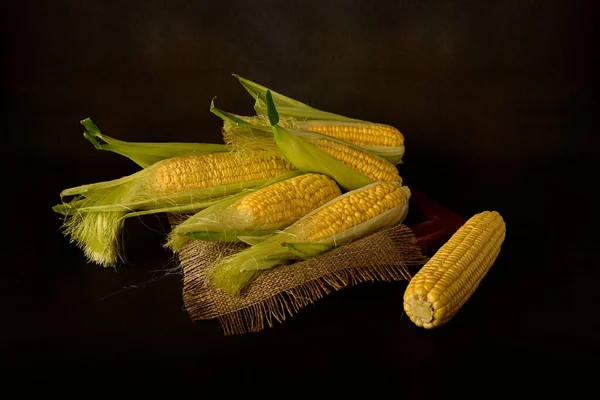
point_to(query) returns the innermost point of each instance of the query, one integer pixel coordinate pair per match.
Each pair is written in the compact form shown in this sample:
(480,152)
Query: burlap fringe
(257,317)
(281,292)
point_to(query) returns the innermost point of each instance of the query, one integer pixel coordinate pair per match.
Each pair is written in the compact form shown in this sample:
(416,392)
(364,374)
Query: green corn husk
(291,144)
(287,106)
(142,153)
(233,273)
(294,115)
(94,217)
(224,222)
(309,158)
(216,223)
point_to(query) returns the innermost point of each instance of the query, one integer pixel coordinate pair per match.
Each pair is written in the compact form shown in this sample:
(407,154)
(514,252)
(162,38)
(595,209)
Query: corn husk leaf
(309,158)
(287,106)
(255,239)
(144,153)
(233,273)
(392,154)
(216,223)
(308,250)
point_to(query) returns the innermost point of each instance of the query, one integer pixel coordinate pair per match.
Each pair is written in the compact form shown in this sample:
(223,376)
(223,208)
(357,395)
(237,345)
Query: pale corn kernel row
(375,168)
(361,134)
(352,210)
(449,278)
(189,172)
(286,201)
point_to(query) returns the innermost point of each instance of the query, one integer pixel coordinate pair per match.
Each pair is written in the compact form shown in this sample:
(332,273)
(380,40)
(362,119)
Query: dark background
(495,99)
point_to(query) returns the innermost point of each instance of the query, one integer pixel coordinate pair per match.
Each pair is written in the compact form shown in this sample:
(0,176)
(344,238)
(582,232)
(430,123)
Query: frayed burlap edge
(279,293)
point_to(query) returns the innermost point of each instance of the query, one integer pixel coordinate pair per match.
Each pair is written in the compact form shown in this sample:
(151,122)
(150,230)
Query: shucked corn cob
(438,291)
(346,218)
(259,213)
(94,219)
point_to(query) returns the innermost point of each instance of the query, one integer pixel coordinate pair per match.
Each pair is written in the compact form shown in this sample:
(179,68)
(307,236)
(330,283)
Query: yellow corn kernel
(444,284)
(350,211)
(358,133)
(375,168)
(282,203)
(190,172)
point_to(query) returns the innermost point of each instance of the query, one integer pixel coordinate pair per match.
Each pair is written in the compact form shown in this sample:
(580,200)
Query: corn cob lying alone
(438,291)
(345,218)
(259,213)
(94,218)
(380,139)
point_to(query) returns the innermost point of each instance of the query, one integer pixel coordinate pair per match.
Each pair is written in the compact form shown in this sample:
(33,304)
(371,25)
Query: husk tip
(176,242)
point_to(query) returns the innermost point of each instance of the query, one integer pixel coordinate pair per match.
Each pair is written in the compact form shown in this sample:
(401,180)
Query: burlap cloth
(282,291)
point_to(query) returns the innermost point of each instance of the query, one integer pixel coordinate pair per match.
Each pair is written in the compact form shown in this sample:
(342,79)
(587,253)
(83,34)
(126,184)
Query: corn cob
(353,210)
(349,165)
(382,140)
(189,172)
(247,140)
(438,291)
(94,219)
(259,213)
(282,203)
(358,133)
(346,218)
(146,154)
(375,168)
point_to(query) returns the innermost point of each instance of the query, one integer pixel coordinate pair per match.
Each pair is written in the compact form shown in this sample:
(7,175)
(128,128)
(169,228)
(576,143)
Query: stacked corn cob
(345,218)
(217,182)
(292,187)
(259,213)
(94,218)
